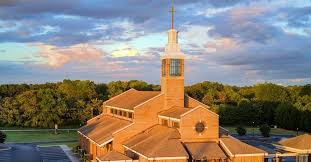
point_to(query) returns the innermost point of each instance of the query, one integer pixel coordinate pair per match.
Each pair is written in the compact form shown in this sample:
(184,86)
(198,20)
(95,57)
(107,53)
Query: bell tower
(172,71)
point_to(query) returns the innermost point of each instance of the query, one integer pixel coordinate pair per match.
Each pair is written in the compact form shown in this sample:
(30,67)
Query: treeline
(70,102)
(66,103)
(287,107)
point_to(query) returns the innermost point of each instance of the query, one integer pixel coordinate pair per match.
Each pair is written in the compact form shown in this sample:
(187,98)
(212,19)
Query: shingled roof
(158,142)
(131,98)
(205,151)
(113,156)
(100,130)
(235,147)
(302,142)
(174,112)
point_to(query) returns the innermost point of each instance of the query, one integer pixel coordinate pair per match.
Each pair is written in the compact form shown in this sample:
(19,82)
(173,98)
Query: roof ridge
(114,97)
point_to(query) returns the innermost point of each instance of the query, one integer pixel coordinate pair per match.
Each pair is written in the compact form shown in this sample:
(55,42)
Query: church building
(164,126)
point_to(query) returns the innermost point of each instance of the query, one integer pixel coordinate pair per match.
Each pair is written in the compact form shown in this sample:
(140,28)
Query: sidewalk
(69,153)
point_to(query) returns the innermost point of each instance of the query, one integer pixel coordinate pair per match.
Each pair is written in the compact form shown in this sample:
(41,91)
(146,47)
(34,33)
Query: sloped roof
(205,150)
(113,156)
(302,142)
(174,112)
(223,132)
(101,129)
(158,142)
(131,98)
(237,147)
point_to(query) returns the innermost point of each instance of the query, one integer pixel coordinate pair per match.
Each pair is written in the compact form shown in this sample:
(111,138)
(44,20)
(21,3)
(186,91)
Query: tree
(271,93)
(287,116)
(10,112)
(306,90)
(265,130)
(2,137)
(241,130)
(244,103)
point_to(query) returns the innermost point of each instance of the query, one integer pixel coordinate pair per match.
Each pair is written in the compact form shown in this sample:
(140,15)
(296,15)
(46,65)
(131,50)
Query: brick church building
(163,126)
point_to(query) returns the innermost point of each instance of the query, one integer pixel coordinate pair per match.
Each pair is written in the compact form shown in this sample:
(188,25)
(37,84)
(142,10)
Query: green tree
(265,130)
(240,130)
(287,116)
(306,90)
(10,113)
(271,93)
(2,137)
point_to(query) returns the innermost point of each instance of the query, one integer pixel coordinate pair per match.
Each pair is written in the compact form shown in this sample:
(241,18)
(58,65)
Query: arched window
(175,67)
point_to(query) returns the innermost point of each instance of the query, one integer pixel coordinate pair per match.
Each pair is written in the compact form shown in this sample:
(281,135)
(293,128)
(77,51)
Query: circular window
(199,127)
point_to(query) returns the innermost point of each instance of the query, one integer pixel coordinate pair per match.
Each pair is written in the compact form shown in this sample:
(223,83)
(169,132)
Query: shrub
(2,137)
(265,130)
(241,130)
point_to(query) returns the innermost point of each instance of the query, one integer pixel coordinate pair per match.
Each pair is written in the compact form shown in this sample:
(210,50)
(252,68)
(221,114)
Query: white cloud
(57,56)
(125,51)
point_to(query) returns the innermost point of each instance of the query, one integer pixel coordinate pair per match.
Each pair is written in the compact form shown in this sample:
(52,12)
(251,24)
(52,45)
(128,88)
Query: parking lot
(32,153)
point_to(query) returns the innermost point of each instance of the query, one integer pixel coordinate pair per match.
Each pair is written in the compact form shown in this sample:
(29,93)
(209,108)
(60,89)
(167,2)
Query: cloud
(221,44)
(57,57)
(125,51)
(230,41)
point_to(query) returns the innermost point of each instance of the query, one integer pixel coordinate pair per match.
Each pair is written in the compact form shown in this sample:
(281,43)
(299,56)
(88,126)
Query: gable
(207,130)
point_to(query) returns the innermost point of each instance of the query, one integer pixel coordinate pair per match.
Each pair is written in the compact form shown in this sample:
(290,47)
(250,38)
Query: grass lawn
(39,136)
(276,131)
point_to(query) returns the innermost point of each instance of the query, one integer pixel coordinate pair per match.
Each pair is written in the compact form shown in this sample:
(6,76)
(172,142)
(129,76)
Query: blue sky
(240,42)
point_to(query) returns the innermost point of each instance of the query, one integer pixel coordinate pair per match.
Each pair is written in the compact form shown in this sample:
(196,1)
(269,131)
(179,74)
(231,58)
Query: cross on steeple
(173,13)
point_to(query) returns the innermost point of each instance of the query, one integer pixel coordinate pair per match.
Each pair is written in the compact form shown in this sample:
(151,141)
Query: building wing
(101,129)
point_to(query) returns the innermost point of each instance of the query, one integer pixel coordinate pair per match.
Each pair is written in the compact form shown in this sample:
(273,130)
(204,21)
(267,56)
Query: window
(111,111)
(164,122)
(163,67)
(175,124)
(120,112)
(175,67)
(130,115)
(124,114)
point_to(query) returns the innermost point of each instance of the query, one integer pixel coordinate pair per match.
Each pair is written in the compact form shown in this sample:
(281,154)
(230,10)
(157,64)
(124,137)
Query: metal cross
(173,13)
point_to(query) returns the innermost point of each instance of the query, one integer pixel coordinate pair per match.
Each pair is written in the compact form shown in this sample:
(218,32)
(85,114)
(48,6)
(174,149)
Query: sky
(237,42)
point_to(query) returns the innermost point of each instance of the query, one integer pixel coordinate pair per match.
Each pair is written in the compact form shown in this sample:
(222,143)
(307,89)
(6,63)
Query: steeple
(172,76)
(173,13)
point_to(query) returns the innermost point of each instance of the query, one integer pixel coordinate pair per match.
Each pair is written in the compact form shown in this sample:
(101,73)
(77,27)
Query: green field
(40,136)
(275,131)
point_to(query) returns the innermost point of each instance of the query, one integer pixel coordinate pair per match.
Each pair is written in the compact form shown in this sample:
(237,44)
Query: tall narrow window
(175,124)
(175,67)
(130,115)
(163,67)
(164,122)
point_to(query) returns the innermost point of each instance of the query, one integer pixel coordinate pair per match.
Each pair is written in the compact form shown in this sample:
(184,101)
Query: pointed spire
(173,11)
